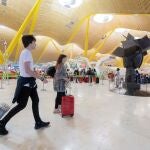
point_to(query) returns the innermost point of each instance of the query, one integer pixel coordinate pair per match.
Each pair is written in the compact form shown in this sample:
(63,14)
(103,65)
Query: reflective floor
(103,121)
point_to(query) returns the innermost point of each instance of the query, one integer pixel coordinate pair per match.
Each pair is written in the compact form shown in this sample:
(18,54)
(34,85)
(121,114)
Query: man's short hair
(27,40)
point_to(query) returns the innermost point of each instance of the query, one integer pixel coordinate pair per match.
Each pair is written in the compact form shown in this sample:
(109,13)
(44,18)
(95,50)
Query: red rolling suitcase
(67,106)
(86,79)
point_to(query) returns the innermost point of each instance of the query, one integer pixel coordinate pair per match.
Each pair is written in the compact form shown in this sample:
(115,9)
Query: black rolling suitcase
(97,80)
(4,108)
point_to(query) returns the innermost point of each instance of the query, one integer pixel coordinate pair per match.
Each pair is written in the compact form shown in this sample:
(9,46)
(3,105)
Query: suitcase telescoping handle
(69,87)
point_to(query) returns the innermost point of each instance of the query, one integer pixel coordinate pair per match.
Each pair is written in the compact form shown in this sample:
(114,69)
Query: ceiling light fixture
(121,30)
(70,3)
(137,37)
(2,26)
(101,18)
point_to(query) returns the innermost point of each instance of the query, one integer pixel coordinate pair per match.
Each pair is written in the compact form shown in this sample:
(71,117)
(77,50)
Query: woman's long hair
(59,60)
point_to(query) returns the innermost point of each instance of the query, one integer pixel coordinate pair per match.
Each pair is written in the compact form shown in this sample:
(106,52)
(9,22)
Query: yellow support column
(77,28)
(15,40)
(86,43)
(101,45)
(17,51)
(58,50)
(35,16)
(32,27)
(1,58)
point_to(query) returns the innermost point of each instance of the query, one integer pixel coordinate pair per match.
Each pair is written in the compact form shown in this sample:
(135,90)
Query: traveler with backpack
(60,81)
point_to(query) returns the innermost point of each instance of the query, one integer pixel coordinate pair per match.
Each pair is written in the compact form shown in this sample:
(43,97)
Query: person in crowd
(94,72)
(138,76)
(69,74)
(26,87)
(81,78)
(146,78)
(83,73)
(76,74)
(60,81)
(117,78)
(142,79)
(90,74)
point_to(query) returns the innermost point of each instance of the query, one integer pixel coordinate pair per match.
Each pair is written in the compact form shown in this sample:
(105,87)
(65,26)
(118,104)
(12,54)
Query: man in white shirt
(26,86)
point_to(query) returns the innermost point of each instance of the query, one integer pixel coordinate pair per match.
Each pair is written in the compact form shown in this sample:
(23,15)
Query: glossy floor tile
(103,121)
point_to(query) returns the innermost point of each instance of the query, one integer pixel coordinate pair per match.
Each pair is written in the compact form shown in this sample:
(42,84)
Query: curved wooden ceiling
(57,22)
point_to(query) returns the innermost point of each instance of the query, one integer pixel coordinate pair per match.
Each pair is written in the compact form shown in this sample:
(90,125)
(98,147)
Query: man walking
(26,86)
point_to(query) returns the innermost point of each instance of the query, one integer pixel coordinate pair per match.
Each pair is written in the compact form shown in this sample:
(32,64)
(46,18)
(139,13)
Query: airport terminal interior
(83,66)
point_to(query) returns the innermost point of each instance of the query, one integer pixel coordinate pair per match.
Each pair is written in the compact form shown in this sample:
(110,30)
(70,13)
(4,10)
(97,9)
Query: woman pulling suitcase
(60,81)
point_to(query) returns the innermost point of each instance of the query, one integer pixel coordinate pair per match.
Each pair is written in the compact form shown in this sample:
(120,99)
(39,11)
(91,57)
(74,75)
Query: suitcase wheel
(72,115)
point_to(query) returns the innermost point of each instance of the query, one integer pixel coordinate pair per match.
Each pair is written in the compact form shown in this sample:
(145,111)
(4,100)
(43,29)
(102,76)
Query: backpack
(51,71)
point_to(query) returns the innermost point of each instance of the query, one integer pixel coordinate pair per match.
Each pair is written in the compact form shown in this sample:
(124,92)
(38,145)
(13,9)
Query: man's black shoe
(41,124)
(3,130)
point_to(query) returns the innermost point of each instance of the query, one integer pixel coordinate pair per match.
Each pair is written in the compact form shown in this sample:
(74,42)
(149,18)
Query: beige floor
(102,121)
